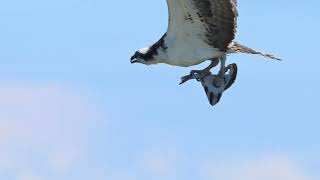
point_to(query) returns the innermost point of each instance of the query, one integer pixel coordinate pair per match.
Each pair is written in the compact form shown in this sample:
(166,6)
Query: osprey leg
(223,69)
(198,74)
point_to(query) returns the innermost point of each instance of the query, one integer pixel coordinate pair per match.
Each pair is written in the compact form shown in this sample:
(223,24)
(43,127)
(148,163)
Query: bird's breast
(188,51)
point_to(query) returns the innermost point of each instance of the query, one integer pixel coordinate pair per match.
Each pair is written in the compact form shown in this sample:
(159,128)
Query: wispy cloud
(263,168)
(161,161)
(42,126)
(28,176)
(43,131)
(63,157)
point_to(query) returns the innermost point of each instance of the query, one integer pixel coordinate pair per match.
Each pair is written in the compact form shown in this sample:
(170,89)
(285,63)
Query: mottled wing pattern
(234,2)
(236,47)
(214,21)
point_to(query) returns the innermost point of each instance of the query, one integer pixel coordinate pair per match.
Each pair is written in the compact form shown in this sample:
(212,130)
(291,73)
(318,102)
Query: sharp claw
(185,79)
(182,82)
(192,75)
(195,74)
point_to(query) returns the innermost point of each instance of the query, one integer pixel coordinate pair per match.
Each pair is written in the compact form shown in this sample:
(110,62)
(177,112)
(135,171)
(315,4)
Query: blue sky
(73,107)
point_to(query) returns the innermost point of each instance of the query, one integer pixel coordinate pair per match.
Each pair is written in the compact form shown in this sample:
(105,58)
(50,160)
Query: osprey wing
(213,21)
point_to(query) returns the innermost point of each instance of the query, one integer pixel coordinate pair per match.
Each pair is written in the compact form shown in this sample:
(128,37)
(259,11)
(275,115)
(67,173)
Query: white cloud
(263,168)
(28,176)
(42,125)
(63,157)
(160,161)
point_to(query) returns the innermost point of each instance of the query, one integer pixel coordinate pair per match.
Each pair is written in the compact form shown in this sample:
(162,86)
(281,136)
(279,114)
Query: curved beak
(133,59)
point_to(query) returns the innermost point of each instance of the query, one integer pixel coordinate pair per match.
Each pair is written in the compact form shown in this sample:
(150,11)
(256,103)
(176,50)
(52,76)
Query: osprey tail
(243,49)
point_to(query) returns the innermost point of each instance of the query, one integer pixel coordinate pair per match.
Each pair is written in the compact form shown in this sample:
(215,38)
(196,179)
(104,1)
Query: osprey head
(143,56)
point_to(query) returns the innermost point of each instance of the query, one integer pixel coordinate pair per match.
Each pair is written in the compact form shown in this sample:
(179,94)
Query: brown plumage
(220,21)
(236,47)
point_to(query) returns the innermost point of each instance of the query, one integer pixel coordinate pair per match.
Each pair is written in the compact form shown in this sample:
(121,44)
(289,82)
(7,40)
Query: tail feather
(243,49)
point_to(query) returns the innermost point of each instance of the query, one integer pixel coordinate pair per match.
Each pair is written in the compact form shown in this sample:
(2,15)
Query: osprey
(198,30)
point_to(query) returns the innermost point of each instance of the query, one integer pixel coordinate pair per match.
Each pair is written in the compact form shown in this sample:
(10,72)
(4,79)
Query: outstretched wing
(214,21)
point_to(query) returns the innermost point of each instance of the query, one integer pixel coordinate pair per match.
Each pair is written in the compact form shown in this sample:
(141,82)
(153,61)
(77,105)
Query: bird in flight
(198,31)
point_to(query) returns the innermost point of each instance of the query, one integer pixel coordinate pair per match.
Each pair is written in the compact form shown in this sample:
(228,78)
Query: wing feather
(214,21)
